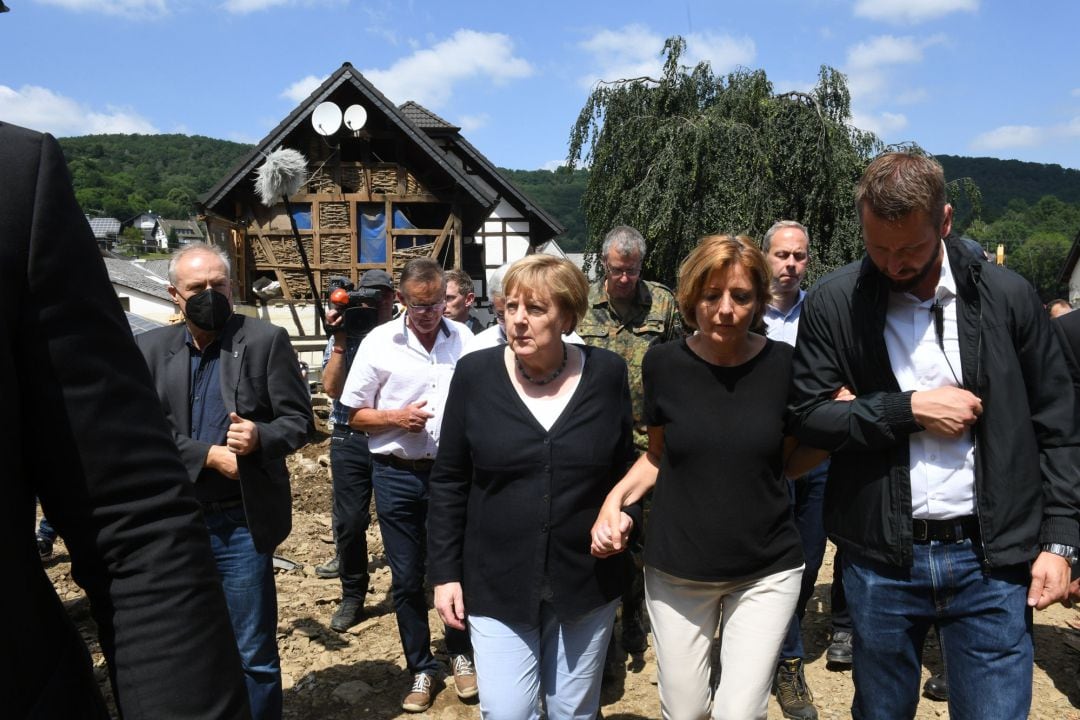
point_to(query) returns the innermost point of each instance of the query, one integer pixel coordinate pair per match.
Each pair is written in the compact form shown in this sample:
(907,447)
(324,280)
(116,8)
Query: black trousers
(350,464)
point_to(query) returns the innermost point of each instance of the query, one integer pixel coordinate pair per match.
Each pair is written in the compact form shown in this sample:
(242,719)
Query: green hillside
(1003,181)
(123,175)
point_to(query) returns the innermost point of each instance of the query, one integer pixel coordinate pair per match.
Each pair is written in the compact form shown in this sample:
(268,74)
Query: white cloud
(1019,136)
(123,8)
(1075,92)
(246,7)
(429,75)
(634,51)
(299,90)
(911,11)
(870,67)
(889,50)
(552,165)
(42,109)
(882,124)
(468,123)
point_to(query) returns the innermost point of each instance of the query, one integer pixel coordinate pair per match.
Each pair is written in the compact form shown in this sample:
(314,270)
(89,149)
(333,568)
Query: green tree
(131,241)
(692,153)
(1040,260)
(173,240)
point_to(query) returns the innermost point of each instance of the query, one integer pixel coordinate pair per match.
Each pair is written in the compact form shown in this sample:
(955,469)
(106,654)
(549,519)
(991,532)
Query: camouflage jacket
(654,319)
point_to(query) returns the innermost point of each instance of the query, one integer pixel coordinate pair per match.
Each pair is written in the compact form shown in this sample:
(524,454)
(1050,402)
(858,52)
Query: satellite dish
(326,119)
(355,117)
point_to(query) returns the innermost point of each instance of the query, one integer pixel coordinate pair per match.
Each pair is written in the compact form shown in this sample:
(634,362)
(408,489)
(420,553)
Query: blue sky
(965,77)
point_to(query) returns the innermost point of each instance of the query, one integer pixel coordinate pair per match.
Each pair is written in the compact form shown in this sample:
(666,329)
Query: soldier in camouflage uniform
(628,315)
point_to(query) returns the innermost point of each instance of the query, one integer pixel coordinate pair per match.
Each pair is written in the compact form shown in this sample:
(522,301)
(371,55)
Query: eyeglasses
(628,273)
(426,309)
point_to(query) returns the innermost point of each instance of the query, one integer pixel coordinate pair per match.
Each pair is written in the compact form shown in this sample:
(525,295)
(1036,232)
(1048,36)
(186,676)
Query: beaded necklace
(542,381)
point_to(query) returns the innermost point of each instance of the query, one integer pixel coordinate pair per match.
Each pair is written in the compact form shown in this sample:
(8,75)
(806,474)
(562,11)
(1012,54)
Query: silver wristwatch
(1066,551)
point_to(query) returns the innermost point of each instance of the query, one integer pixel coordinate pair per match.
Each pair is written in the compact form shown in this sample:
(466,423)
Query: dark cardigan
(511,502)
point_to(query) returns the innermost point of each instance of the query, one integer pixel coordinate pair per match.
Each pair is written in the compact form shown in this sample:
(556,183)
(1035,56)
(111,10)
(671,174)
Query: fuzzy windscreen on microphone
(282,174)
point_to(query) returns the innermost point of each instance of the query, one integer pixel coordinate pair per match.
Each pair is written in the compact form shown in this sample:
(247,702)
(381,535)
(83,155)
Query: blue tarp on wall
(373,235)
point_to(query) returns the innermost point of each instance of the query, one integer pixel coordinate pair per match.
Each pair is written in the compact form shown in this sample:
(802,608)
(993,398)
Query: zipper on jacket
(975,434)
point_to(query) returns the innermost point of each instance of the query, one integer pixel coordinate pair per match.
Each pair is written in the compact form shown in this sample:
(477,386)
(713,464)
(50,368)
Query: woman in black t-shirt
(722,548)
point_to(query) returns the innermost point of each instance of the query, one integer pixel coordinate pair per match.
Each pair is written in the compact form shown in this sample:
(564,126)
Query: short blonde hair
(718,252)
(897,184)
(555,277)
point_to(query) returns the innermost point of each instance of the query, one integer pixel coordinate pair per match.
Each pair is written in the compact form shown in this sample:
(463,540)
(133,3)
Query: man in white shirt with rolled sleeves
(398,385)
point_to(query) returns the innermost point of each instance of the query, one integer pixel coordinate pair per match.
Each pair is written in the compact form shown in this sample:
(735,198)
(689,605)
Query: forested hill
(1002,181)
(123,175)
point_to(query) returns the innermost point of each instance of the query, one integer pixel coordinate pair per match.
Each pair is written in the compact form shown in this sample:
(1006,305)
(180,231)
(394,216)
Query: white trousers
(753,616)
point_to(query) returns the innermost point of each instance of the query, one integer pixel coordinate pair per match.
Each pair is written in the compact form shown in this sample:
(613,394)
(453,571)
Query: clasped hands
(611,531)
(242,438)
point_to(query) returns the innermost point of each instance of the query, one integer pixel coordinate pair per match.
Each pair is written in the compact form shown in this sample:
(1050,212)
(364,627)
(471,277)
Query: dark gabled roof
(345,74)
(475,161)
(139,324)
(510,191)
(129,275)
(423,118)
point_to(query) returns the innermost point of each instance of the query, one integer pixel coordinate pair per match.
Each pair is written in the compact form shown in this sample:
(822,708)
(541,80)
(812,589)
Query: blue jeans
(350,465)
(984,627)
(560,661)
(247,577)
(401,497)
(807,507)
(45,530)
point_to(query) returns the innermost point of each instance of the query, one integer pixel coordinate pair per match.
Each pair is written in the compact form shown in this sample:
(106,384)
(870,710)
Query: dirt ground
(361,673)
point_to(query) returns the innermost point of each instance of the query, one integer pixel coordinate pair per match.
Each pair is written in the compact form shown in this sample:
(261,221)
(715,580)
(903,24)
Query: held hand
(243,436)
(450,604)
(1050,576)
(223,460)
(414,418)
(1074,594)
(946,411)
(611,532)
(843,394)
(335,321)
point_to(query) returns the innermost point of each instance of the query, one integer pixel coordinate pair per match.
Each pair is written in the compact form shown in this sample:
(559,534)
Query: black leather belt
(951,530)
(214,506)
(402,464)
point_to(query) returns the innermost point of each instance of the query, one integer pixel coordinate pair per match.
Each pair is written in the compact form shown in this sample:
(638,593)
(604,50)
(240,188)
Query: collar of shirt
(784,326)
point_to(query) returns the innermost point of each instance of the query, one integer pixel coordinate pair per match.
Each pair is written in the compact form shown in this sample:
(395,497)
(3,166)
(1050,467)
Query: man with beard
(232,392)
(952,489)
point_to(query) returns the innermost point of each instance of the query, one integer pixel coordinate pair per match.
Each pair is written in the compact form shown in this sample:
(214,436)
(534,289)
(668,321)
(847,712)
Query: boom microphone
(282,174)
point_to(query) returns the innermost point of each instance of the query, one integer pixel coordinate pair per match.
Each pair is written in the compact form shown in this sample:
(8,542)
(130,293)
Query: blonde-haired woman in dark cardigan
(535,434)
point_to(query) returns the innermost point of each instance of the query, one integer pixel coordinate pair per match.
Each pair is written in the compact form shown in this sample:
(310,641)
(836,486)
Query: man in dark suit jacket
(232,391)
(1067,327)
(83,431)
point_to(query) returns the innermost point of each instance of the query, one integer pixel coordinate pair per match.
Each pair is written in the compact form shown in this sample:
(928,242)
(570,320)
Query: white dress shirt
(784,326)
(392,370)
(942,470)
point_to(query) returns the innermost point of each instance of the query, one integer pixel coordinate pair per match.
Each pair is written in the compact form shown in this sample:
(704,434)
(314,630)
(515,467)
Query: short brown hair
(558,278)
(422,270)
(898,183)
(718,252)
(464,282)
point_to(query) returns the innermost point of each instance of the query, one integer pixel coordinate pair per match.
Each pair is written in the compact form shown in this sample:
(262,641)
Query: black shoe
(44,547)
(634,639)
(795,699)
(839,652)
(936,688)
(328,571)
(350,612)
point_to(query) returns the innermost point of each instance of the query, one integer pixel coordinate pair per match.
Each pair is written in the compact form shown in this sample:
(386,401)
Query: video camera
(359,307)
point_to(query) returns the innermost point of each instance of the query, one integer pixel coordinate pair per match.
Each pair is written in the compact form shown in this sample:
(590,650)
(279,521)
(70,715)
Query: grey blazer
(260,381)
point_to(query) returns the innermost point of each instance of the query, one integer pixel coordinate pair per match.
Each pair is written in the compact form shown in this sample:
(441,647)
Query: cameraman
(350,461)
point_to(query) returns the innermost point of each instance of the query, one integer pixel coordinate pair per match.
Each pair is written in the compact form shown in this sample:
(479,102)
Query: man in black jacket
(83,431)
(232,392)
(953,486)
